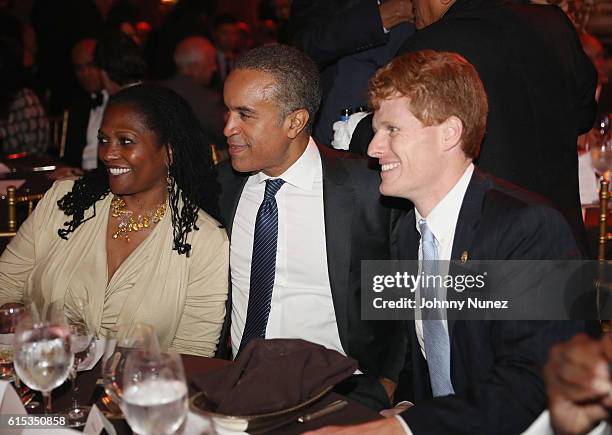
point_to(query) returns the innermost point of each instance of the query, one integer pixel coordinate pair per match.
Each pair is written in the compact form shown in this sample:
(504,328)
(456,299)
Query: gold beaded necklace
(126,223)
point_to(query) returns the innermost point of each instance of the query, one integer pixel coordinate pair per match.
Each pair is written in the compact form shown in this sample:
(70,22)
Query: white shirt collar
(443,218)
(302,174)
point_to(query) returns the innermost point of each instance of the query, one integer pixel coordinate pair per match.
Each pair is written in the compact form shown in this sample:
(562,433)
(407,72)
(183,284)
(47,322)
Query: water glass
(82,345)
(155,392)
(43,357)
(9,317)
(117,345)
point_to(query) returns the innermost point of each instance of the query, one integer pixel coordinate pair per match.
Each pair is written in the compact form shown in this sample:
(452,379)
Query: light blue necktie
(435,336)
(263,265)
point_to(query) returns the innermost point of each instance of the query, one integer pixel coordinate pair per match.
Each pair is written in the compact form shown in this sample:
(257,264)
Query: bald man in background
(195,60)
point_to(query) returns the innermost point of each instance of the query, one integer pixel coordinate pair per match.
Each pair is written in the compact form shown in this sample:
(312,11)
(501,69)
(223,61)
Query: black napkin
(272,375)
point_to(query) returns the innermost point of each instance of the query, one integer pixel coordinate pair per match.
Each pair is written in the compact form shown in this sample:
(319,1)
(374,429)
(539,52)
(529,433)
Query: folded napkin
(272,375)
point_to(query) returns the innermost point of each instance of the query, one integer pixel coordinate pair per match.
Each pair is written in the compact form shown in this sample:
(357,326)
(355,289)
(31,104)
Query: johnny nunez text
(472,303)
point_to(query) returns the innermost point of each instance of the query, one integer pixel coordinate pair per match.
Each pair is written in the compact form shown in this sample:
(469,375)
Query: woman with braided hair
(138,238)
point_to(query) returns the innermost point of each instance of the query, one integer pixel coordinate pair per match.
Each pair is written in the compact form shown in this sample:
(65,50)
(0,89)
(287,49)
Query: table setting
(125,383)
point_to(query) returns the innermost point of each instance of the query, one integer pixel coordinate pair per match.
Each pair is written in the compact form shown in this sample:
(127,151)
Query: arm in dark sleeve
(507,391)
(510,397)
(326,32)
(585,81)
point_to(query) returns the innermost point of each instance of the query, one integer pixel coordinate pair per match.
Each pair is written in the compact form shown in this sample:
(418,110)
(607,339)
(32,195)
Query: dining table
(90,391)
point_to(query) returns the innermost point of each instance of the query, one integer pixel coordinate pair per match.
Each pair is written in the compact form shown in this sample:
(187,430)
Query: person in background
(195,59)
(138,239)
(120,61)
(540,85)
(87,109)
(24,126)
(597,53)
(227,38)
(120,64)
(349,41)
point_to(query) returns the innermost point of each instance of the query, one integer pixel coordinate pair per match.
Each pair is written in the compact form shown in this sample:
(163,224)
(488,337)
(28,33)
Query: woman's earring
(169,181)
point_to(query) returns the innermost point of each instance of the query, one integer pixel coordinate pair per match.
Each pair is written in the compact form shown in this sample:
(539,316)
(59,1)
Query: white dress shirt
(442,221)
(302,305)
(90,152)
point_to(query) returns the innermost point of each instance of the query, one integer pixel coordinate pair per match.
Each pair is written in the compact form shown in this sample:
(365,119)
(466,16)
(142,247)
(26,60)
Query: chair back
(58,128)
(12,201)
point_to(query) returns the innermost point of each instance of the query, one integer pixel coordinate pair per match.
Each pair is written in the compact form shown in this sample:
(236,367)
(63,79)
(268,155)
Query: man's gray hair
(297,81)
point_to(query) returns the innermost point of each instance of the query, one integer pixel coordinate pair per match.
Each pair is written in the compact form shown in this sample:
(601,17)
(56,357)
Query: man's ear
(297,121)
(452,130)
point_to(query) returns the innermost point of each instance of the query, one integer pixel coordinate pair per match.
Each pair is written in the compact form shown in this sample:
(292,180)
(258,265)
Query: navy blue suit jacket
(495,365)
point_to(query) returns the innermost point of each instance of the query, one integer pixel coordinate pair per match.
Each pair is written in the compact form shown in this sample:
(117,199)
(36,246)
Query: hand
(65,172)
(394,12)
(397,409)
(387,426)
(389,387)
(578,384)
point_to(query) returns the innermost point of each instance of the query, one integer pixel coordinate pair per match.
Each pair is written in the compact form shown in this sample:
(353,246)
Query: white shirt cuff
(404,425)
(543,426)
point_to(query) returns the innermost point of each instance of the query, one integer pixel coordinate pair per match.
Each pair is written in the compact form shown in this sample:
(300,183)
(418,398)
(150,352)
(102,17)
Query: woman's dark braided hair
(191,169)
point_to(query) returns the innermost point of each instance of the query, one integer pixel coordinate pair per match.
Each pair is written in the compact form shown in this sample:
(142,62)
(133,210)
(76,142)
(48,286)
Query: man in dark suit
(463,377)
(540,85)
(322,218)
(349,40)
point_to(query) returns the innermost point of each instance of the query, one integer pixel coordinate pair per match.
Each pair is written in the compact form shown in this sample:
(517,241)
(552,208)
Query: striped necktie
(263,265)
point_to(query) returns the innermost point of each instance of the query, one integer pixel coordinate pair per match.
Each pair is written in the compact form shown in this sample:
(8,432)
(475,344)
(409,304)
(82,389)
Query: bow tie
(96,100)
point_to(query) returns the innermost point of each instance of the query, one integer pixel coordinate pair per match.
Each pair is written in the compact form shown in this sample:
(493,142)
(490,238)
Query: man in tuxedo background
(300,220)
(463,377)
(86,111)
(118,62)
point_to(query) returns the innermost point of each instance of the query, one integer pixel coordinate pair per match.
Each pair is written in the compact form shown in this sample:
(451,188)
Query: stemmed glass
(82,345)
(119,341)
(155,392)
(600,147)
(9,317)
(43,357)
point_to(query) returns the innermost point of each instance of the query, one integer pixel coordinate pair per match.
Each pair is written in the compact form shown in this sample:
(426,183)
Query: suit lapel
(338,204)
(469,216)
(231,200)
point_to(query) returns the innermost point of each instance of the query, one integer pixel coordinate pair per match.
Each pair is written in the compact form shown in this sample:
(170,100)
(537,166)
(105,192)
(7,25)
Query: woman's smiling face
(135,161)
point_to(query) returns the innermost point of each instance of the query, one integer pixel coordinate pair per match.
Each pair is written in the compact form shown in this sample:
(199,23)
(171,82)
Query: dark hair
(222,19)
(193,176)
(11,73)
(296,76)
(121,58)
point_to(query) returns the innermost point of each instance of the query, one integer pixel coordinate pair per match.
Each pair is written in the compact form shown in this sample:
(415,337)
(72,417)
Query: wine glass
(155,392)
(82,344)
(600,149)
(9,317)
(42,356)
(118,343)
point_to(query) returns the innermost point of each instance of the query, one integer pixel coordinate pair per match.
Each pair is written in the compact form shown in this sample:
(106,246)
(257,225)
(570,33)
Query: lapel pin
(464,257)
